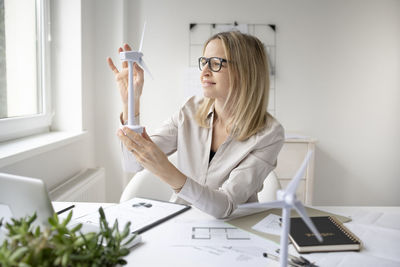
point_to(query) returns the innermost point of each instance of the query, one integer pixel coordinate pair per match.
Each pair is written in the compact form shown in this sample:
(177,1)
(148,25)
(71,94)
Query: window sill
(23,148)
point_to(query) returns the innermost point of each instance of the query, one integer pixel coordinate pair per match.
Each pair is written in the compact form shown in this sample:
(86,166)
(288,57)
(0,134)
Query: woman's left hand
(150,156)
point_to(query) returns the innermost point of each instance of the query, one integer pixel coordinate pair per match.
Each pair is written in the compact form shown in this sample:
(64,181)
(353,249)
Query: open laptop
(22,196)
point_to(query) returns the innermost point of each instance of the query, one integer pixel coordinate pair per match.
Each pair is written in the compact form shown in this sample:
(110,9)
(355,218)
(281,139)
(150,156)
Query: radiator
(88,185)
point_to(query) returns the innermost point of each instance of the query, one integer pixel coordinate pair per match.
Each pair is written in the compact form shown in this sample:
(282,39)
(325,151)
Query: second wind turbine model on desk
(287,200)
(132,57)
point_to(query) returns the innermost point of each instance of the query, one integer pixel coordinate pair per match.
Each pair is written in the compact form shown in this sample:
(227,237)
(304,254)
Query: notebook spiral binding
(344,229)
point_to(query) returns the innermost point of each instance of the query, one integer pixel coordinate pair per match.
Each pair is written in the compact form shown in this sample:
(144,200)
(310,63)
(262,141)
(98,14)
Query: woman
(227,143)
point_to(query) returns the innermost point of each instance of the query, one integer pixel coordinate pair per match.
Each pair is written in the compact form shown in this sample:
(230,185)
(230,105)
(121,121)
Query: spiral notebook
(336,236)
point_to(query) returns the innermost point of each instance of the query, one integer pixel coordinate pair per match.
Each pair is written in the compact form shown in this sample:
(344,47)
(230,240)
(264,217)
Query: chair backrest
(147,185)
(270,186)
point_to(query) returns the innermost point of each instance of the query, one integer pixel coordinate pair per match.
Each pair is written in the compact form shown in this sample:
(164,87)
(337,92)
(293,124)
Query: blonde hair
(247,100)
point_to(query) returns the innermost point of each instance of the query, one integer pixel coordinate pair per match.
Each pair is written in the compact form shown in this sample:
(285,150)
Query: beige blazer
(235,174)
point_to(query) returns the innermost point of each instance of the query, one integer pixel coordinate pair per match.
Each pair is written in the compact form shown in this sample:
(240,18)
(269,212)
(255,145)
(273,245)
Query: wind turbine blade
(141,39)
(146,69)
(302,212)
(257,205)
(291,188)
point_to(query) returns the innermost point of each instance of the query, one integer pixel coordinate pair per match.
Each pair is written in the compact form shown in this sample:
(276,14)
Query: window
(24,58)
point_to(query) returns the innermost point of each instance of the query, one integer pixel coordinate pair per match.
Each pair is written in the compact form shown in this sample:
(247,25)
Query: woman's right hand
(121,77)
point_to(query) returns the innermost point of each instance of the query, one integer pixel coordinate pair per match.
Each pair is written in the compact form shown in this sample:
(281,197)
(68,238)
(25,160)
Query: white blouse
(235,174)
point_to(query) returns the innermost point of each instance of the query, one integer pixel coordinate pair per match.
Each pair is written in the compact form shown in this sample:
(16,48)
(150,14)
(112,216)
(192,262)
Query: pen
(66,209)
(270,256)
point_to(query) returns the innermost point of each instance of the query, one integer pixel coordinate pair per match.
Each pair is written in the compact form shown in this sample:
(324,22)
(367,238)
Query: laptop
(22,196)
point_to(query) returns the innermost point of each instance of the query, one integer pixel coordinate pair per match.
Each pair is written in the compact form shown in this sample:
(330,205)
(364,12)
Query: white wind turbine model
(131,57)
(287,200)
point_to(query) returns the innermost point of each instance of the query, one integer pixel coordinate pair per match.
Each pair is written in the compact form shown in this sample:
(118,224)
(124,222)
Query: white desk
(163,245)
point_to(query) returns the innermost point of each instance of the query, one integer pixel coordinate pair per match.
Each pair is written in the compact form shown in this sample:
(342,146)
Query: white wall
(338,66)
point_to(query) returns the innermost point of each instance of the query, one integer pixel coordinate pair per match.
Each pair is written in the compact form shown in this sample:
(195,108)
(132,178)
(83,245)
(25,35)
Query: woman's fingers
(134,136)
(136,144)
(124,63)
(146,136)
(127,141)
(127,47)
(147,153)
(112,66)
(137,68)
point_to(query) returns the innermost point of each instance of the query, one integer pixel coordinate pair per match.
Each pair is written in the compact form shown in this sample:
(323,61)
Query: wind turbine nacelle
(290,199)
(130,56)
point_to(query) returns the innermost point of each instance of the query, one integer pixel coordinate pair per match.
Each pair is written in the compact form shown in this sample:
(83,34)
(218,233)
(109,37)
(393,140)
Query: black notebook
(336,236)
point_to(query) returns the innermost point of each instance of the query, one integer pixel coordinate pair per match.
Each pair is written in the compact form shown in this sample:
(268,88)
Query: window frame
(18,127)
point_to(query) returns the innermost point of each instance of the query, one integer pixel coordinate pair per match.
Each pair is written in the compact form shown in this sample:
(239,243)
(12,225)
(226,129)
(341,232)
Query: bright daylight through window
(22,69)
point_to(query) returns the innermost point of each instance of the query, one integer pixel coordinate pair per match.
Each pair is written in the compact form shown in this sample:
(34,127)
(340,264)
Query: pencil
(66,209)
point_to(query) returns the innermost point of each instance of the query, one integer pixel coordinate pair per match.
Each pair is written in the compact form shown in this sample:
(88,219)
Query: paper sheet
(380,248)
(355,259)
(365,217)
(345,259)
(377,241)
(219,244)
(270,225)
(380,219)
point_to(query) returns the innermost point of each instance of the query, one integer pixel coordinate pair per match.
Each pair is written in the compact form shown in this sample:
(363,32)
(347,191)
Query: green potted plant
(59,245)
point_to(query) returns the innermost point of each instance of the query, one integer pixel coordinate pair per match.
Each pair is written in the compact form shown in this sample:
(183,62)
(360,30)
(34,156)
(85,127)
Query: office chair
(270,187)
(147,185)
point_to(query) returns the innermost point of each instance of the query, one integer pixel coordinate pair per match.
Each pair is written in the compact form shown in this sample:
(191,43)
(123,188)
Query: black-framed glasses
(214,63)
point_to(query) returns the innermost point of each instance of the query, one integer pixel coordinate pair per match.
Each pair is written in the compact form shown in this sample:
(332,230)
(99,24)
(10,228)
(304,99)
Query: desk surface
(172,243)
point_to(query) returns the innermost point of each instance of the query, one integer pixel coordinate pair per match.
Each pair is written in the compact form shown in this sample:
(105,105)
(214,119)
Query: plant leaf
(18,254)
(68,219)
